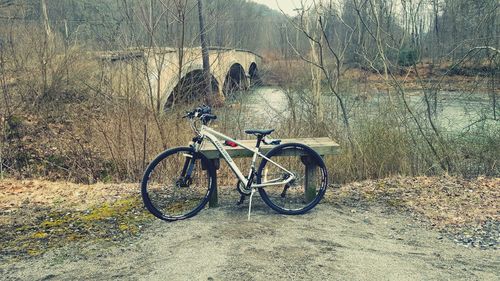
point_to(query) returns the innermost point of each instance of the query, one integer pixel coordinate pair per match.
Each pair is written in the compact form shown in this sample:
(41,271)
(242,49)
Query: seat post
(259,140)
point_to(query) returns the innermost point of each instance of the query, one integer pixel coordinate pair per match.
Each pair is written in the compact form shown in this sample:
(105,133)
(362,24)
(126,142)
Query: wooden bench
(323,146)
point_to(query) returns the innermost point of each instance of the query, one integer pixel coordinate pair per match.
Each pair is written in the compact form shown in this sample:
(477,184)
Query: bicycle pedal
(242,199)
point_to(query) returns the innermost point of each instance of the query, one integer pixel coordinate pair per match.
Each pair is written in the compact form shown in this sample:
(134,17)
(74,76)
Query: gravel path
(329,243)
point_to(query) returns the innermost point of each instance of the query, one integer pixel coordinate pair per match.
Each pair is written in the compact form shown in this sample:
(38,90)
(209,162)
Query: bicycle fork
(185,177)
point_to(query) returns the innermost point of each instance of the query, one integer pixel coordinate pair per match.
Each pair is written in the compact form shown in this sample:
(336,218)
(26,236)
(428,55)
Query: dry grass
(95,125)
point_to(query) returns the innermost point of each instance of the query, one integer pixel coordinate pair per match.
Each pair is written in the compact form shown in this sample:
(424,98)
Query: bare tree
(204,51)
(327,53)
(47,42)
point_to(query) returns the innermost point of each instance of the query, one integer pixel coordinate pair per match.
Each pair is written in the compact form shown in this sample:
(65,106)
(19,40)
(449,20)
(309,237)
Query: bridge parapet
(171,71)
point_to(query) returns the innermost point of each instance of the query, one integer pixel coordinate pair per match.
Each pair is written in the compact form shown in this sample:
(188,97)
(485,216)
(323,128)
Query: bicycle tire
(278,197)
(156,194)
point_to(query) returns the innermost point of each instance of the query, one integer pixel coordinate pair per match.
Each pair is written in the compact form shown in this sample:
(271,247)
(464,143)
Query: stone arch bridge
(172,73)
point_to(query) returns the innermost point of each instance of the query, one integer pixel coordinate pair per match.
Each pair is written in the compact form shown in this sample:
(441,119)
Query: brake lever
(188,114)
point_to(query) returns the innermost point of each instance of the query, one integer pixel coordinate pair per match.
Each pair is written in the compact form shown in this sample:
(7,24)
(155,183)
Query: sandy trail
(329,243)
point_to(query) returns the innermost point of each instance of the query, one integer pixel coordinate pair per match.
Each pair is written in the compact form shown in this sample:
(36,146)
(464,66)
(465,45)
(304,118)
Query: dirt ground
(437,228)
(330,243)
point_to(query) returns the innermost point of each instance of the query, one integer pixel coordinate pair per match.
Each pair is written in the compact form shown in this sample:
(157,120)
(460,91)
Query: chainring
(242,188)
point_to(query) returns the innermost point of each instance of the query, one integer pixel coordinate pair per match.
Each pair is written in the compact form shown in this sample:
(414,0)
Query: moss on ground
(109,221)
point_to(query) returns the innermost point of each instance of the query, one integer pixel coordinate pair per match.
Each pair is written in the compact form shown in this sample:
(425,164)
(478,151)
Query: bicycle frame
(213,135)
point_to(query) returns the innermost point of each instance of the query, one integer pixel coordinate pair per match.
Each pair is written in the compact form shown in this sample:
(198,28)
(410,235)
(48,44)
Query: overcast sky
(286,5)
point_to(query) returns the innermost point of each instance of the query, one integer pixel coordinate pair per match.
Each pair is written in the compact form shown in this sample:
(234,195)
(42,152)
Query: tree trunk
(46,43)
(46,23)
(204,51)
(315,74)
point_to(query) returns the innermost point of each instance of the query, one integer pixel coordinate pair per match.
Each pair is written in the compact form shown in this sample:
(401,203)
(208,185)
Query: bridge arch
(253,73)
(229,67)
(190,87)
(236,79)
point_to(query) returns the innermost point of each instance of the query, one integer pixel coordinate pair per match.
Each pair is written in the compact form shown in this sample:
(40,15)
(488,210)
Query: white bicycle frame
(213,136)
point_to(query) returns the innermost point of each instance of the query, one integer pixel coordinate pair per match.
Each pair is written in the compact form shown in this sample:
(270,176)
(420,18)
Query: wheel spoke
(308,186)
(167,193)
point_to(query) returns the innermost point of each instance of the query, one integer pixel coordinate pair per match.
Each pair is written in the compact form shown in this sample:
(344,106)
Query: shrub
(408,57)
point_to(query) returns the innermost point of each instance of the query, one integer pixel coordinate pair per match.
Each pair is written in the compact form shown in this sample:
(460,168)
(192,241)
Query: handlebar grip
(204,109)
(203,112)
(205,118)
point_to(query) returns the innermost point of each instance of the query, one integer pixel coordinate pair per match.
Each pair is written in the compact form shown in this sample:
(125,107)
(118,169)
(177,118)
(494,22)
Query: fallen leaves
(443,200)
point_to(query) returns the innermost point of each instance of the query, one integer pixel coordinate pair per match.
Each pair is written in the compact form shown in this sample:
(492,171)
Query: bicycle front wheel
(302,193)
(178,183)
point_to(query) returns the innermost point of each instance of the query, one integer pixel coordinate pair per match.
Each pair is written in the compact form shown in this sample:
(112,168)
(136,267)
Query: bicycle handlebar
(204,113)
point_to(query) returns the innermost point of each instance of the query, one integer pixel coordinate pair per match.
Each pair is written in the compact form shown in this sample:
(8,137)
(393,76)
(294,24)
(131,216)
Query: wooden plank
(310,173)
(214,200)
(323,146)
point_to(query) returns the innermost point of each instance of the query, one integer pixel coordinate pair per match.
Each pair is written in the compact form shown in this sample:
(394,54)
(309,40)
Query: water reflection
(455,111)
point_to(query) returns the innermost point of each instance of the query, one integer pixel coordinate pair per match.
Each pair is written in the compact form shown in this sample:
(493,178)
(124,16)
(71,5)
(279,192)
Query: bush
(408,57)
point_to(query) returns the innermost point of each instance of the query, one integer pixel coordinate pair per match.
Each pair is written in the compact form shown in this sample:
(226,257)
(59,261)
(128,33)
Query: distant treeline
(115,24)
(437,27)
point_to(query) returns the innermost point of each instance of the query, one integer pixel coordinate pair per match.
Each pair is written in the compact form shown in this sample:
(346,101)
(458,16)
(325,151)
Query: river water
(456,110)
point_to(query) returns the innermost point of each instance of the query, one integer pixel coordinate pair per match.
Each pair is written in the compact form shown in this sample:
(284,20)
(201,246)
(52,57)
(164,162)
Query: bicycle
(291,178)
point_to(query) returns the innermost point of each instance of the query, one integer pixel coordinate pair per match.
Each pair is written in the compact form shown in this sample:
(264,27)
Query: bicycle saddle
(259,132)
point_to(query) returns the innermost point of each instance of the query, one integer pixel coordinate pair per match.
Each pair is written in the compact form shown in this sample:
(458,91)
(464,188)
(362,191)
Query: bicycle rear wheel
(177,184)
(303,193)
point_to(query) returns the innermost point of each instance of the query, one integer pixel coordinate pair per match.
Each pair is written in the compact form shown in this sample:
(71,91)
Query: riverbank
(443,77)
(37,216)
